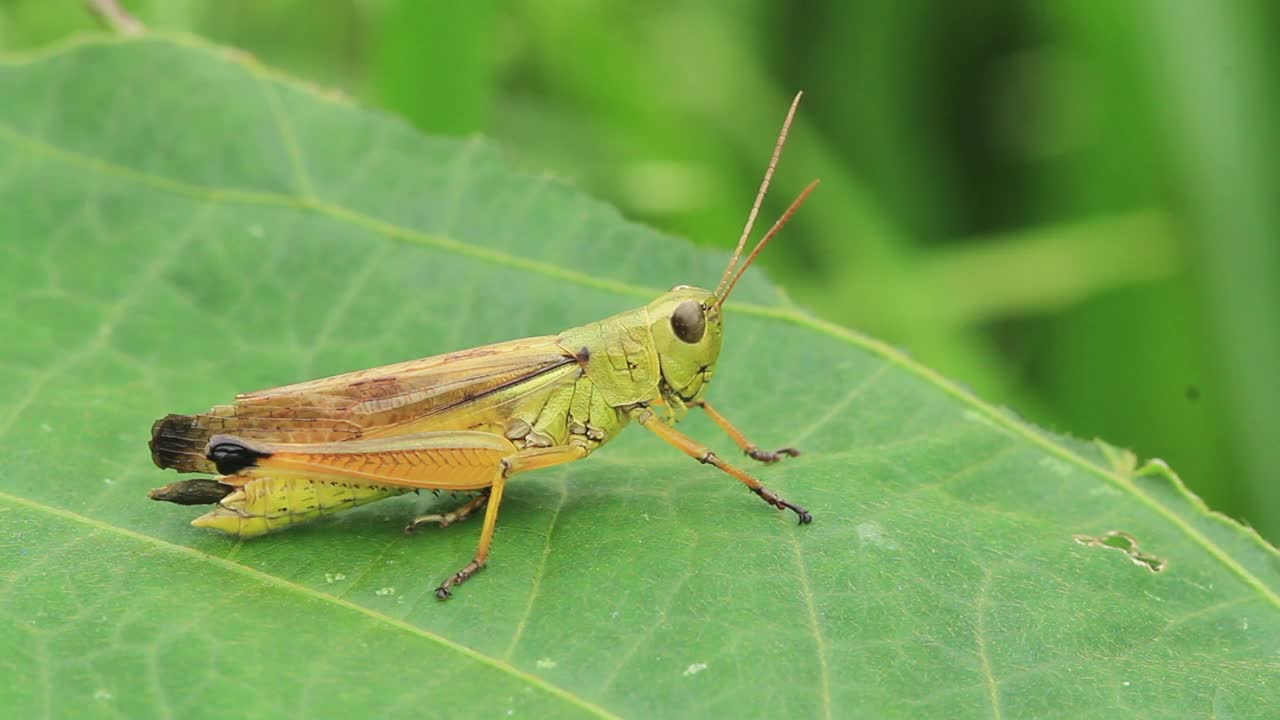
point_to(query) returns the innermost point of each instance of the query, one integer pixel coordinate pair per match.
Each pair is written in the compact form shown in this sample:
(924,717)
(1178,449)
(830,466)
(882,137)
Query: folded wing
(470,389)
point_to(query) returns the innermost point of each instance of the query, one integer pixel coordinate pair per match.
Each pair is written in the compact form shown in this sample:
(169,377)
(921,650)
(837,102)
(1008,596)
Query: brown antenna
(755,207)
(795,205)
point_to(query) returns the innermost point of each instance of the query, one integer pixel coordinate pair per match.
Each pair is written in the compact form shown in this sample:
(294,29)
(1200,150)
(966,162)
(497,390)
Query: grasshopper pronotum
(467,420)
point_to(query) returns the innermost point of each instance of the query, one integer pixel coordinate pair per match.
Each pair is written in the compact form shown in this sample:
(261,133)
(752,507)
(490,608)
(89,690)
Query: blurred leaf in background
(1067,205)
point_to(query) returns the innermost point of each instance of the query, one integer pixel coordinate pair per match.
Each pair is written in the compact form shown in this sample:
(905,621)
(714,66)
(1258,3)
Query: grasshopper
(467,420)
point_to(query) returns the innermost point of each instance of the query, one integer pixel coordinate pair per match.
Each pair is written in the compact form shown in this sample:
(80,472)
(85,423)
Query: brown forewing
(460,390)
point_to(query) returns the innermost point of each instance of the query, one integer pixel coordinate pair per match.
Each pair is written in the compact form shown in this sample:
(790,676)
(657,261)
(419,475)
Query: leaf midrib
(275,581)
(447,244)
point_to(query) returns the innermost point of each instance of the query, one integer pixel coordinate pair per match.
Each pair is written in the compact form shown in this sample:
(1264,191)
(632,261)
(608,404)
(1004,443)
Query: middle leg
(459,513)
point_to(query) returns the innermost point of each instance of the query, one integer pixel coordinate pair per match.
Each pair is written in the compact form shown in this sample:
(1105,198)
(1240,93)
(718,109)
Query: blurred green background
(1071,206)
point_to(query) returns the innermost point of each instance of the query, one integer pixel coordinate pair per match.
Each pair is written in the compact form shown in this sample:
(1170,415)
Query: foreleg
(752,450)
(703,454)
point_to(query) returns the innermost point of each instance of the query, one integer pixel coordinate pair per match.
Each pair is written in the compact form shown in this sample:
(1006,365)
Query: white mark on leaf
(383,592)
(546,663)
(981,419)
(332,578)
(1061,468)
(46,427)
(872,533)
(102,694)
(694,669)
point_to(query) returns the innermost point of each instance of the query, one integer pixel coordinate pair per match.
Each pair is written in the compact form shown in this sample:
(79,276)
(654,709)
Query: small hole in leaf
(1120,541)
(1127,544)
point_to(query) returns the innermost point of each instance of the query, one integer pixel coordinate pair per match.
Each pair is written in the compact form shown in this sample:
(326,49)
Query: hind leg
(457,514)
(523,461)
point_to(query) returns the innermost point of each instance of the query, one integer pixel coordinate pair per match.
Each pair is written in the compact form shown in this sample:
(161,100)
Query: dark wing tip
(178,442)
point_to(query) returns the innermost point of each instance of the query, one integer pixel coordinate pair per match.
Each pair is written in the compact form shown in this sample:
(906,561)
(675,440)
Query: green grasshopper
(468,420)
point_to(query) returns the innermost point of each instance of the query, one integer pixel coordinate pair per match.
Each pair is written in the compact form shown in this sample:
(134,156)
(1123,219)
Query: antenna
(755,207)
(795,205)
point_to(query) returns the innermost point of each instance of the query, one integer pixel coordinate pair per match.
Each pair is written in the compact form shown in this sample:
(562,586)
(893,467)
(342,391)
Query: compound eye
(688,321)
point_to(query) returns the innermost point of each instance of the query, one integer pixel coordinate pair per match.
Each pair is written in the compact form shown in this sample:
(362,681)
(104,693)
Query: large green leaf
(179,224)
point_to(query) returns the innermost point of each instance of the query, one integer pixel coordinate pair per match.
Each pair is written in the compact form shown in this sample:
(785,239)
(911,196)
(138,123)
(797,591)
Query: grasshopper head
(686,327)
(687,322)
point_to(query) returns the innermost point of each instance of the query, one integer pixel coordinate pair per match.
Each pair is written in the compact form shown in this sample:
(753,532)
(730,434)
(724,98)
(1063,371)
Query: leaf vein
(111,317)
(290,586)
(980,636)
(820,643)
(538,574)
(339,308)
(838,407)
(297,162)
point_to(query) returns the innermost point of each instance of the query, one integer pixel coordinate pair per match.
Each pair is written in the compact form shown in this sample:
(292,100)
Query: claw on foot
(769,457)
(767,495)
(445,591)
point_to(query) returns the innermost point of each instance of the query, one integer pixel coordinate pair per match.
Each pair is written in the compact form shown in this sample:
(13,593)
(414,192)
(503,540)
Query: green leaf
(180,224)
